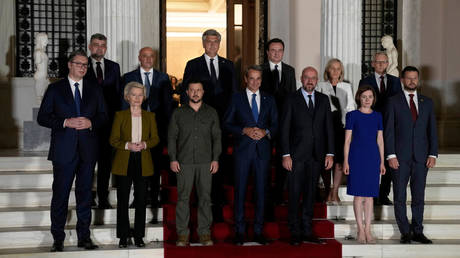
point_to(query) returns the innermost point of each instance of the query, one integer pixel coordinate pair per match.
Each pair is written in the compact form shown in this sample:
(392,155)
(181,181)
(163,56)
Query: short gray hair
(211,32)
(374,56)
(132,85)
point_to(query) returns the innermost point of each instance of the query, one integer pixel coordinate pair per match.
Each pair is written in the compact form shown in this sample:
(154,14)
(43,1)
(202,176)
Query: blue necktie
(77,99)
(255,111)
(147,86)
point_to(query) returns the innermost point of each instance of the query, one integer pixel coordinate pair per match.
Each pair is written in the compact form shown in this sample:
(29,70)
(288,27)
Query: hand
(175,167)
(287,163)
(250,132)
(84,123)
(71,122)
(346,168)
(382,168)
(393,163)
(430,162)
(214,167)
(135,146)
(259,133)
(328,162)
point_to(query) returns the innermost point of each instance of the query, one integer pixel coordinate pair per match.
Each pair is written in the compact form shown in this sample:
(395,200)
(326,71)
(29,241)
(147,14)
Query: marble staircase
(25,197)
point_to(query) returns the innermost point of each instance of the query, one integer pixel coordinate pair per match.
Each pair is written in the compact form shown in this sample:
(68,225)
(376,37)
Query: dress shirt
(194,137)
(80,87)
(136,131)
(94,64)
(249,94)
(272,67)
(377,79)
(305,96)
(143,75)
(215,62)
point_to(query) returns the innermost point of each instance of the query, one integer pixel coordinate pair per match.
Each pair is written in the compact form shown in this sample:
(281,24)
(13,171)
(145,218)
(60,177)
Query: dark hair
(78,52)
(98,36)
(409,69)
(360,91)
(194,81)
(274,40)
(252,67)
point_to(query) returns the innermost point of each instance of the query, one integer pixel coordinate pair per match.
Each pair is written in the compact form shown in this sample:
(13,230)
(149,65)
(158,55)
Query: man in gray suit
(411,148)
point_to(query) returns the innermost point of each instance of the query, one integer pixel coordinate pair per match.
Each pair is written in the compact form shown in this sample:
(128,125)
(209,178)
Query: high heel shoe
(123,242)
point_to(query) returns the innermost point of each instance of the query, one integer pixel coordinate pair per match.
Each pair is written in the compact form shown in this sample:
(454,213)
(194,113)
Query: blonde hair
(329,64)
(132,85)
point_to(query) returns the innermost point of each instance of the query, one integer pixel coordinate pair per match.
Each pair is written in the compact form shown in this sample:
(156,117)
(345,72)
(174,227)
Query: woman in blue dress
(363,159)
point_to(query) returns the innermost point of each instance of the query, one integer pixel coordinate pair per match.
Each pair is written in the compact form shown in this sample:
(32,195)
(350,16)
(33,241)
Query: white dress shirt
(215,62)
(80,87)
(272,67)
(143,75)
(377,79)
(249,94)
(94,63)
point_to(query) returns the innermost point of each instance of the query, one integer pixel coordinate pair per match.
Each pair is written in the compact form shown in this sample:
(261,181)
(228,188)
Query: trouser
(200,176)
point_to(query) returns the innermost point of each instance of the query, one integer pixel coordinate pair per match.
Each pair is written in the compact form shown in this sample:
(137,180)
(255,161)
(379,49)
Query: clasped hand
(254,133)
(78,123)
(136,146)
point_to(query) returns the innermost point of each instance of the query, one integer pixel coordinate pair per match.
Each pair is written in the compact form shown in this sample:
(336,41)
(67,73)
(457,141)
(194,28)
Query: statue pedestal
(35,137)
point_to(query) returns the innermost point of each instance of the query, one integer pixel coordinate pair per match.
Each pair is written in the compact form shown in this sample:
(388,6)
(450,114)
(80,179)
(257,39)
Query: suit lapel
(68,96)
(263,105)
(144,126)
(86,94)
(421,105)
(245,101)
(204,66)
(301,101)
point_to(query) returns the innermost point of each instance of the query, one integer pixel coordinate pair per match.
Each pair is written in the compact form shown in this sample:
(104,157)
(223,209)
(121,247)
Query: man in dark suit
(217,75)
(74,109)
(411,147)
(278,79)
(159,101)
(252,119)
(106,74)
(307,145)
(385,85)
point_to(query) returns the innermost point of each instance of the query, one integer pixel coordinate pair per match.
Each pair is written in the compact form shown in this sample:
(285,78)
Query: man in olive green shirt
(194,146)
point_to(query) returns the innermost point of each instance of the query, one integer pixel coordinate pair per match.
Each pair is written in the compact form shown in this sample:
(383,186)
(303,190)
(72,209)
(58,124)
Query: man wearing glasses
(74,109)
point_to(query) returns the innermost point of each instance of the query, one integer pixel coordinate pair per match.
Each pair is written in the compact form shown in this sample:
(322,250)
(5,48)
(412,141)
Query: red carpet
(223,232)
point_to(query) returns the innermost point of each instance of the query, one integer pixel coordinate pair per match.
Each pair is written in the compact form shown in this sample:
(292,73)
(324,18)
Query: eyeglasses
(80,65)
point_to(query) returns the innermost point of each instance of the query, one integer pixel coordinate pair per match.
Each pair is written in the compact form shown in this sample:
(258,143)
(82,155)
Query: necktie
(147,87)
(310,104)
(77,99)
(276,77)
(213,72)
(382,84)
(99,73)
(255,110)
(413,109)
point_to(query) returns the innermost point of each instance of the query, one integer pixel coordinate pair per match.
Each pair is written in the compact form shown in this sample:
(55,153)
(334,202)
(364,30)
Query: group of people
(124,123)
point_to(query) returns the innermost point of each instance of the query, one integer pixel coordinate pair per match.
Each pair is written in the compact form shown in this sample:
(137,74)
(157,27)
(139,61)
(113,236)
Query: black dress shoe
(295,240)
(385,201)
(405,239)
(123,242)
(239,239)
(139,242)
(260,239)
(104,205)
(421,238)
(312,239)
(87,244)
(58,246)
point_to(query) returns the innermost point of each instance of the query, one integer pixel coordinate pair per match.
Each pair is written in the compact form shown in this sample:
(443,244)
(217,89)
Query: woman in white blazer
(342,101)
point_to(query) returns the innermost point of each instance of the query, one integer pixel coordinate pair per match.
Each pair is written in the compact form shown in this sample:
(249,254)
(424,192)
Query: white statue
(392,53)
(41,65)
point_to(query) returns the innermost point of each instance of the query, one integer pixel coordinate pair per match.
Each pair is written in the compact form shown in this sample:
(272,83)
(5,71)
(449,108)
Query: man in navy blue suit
(74,109)
(159,101)
(385,85)
(106,74)
(411,147)
(252,119)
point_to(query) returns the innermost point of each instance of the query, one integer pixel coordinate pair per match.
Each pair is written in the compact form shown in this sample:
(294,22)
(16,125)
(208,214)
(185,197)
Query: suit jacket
(57,105)
(408,139)
(344,97)
(287,84)
(159,99)
(392,88)
(218,96)
(305,136)
(239,116)
(122,133)
(111,85)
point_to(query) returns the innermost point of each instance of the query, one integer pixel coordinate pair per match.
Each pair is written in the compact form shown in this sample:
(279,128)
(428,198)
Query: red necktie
(413,109)
(382,84)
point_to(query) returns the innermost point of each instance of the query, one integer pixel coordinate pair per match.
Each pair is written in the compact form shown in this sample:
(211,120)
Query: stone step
(40,216)
(152,249)
(392,248)
(433,229)
(433,192)
(433,211)
(32,237)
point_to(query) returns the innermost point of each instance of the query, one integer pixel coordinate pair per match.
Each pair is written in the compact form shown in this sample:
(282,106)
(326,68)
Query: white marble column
(119,20)
(341,36)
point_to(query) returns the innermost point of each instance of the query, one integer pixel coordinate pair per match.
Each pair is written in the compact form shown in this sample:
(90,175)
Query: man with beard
(106,74)
(194,146)
(411,148)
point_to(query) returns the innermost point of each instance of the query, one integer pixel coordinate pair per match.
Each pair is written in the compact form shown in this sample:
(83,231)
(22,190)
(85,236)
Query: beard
(96,56)
(407,88)
(196,101)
